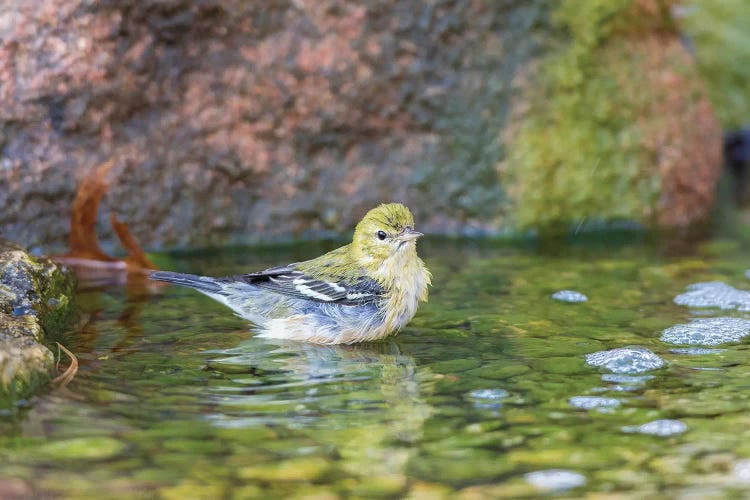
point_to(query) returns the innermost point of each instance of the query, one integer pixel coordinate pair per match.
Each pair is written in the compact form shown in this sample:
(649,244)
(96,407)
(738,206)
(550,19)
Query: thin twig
(65,377)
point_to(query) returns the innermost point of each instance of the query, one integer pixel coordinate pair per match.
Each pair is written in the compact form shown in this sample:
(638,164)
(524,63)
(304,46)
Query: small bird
(360,292)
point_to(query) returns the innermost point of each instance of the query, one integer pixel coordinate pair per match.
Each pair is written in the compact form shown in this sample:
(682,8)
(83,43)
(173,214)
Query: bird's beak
(408,234)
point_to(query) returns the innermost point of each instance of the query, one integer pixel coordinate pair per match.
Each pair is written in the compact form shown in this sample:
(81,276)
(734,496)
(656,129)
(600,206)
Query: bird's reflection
(365,400)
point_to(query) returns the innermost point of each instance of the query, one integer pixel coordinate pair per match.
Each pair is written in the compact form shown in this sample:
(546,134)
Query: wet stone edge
(36,303)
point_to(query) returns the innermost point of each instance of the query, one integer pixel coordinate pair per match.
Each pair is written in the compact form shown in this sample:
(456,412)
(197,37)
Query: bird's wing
(288,280)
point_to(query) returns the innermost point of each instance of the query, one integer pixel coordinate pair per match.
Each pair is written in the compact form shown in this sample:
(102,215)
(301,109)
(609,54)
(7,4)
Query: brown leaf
(136,256)
(83,241)
(85,251)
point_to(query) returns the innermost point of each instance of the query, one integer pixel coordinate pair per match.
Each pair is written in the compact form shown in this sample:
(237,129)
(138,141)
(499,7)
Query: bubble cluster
(696,351)
(714,294)
(626,379)
(662,428)
(707,331)
(593,402)
(569,296)
(623,383)
(488,398)
(489,394)
(555,479)
(625,360)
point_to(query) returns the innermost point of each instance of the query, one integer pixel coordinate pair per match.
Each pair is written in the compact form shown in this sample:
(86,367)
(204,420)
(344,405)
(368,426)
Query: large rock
(718,36)
(235,120)
(615,124)
(35,298)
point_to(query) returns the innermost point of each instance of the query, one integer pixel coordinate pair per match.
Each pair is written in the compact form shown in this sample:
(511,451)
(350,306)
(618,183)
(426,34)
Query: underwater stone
(707,331)
(569,296)
(714,294)
(555,479)
(625,360)
(592,402)
(663,427)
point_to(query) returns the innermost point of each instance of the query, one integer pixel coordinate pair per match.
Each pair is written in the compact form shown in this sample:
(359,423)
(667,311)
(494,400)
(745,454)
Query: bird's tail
(201,283)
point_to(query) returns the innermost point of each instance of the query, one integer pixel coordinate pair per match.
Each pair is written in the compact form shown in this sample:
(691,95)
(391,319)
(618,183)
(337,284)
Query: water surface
(487,393)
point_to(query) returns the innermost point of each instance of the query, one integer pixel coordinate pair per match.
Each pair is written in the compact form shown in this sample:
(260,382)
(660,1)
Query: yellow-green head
(384,232)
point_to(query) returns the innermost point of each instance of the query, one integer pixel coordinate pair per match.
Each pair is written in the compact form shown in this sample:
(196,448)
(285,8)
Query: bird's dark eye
(381,235)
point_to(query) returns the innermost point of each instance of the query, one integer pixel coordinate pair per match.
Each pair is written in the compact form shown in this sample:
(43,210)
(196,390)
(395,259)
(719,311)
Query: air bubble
(555,479)
(569,296)
(662,428)
(626,360)
(707,331)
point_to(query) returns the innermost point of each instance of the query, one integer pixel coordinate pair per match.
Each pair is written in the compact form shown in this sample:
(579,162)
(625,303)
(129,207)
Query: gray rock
(235,120)
(35,298)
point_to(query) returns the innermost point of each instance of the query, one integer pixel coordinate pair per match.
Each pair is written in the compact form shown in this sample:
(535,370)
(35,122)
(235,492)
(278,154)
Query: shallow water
(487,393)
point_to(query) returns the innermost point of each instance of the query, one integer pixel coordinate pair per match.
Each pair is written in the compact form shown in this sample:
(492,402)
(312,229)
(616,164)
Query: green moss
(82,448)
(718,31)
(57,292)
(45,292)
(13,394)
(578,151)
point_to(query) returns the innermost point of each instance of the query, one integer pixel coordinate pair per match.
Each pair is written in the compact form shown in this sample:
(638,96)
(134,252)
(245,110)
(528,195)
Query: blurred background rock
(239,121)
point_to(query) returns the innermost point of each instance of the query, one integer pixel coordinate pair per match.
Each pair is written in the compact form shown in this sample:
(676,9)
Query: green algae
(84,448)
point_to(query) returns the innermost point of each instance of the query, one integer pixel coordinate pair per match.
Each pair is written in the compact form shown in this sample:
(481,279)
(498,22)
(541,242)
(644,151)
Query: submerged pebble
(714,294)
(625,360)
(555,479)
(707,331)
(662,427)
(593,402)
(569,296)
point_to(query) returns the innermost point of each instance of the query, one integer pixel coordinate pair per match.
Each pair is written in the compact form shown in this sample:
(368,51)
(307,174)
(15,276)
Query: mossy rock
(717,33)
(613,124)
(35,301)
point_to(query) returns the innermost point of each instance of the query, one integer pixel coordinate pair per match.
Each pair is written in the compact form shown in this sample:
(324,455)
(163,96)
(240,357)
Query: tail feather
(200,283)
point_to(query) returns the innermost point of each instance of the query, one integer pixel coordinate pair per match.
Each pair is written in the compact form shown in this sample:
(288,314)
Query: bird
(362,291)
